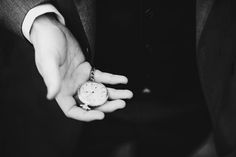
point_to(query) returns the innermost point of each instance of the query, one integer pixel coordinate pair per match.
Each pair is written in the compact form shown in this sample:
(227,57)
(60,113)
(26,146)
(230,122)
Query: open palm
(62,65)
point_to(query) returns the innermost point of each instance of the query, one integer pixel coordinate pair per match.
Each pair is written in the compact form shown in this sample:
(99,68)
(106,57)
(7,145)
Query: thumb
(49,69)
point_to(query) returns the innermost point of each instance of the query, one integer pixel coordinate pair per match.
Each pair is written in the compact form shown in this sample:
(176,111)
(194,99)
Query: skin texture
(61,63)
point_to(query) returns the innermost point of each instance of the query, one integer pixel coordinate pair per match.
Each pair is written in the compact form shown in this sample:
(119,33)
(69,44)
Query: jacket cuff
(36,12)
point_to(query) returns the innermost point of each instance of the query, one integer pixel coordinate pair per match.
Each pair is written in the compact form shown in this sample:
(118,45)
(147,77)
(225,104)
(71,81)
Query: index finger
(109,78)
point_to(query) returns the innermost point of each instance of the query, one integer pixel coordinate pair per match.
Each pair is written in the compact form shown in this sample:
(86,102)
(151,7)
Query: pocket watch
(92,94)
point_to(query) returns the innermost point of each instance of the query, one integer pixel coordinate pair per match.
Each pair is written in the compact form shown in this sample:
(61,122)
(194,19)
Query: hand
(62,65)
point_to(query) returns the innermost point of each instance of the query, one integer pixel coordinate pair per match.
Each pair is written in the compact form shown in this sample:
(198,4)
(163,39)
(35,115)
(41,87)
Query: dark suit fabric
(153,43)
(31,126)
(12,12)
(35,127)
(216,60)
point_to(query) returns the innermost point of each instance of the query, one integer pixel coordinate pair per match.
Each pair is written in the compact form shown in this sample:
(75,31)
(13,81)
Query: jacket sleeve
(12,13)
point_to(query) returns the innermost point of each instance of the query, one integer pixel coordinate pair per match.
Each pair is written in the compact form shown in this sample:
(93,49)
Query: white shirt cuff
(34,13)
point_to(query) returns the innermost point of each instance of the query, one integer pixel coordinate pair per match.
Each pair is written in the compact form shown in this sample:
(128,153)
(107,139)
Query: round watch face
(93,93)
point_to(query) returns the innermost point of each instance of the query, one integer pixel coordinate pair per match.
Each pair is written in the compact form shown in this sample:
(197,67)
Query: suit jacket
(32,125)
(12,13)
(216,62)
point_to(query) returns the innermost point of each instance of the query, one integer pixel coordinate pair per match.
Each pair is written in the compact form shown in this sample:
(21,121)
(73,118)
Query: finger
(108,78)
(81,74)
(80,114)
(68,106)
(119,94)
(111,106)
(49,70)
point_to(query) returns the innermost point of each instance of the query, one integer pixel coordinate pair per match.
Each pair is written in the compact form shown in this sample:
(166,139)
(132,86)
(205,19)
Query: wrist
(42,24)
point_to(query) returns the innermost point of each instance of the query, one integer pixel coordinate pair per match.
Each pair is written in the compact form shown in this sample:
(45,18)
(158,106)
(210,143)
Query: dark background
(152,42)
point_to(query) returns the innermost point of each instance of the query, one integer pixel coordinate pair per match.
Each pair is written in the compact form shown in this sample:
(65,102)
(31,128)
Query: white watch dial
(93,93)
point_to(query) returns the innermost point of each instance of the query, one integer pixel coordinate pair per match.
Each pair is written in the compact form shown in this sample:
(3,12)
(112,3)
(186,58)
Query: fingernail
(101,116)
(125,80)
(131,94)
(122,105)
